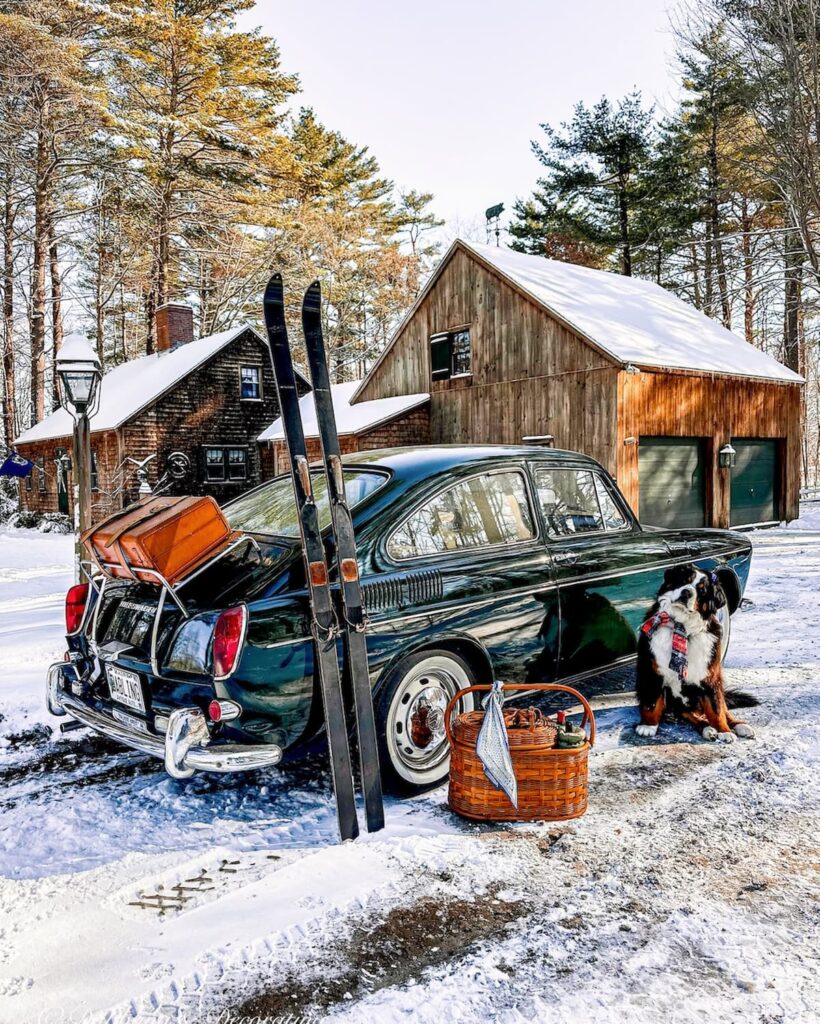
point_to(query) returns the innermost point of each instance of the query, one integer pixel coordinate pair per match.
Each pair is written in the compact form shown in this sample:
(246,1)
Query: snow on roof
(131,386)
(350,419)
(633,320)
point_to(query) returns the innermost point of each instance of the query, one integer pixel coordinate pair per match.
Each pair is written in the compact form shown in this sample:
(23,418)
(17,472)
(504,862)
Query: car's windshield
(272,509)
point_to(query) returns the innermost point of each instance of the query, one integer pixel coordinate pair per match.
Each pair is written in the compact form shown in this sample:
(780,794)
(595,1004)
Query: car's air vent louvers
(416,588)
(382,594)
(424,586)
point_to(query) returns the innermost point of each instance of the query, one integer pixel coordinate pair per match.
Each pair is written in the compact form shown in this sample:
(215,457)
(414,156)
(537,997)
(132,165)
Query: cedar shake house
(196,405)
(516,348)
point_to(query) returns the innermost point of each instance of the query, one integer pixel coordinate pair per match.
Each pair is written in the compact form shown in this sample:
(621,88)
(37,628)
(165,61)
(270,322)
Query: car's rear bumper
(185,746)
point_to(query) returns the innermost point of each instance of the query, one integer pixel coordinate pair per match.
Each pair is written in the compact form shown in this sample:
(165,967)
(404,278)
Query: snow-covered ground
(689,890)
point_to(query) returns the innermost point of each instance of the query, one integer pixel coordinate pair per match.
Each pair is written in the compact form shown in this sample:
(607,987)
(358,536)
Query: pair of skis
(325,622)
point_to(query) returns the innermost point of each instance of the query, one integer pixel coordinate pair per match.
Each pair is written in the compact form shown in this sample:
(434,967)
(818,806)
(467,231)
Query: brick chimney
(175,326)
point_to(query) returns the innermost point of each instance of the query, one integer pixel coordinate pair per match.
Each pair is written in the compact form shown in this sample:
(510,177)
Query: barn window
(250,378)
(450,354)
(226,464)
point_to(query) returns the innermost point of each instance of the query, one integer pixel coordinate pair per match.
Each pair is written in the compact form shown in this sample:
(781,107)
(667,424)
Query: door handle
(567,558)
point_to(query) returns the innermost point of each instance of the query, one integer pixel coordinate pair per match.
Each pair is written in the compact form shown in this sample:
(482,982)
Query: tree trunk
(697,295)
(9,388)
(38,276)
(56,310)
(748,272)
(714,219)
(792,266)
(623,219)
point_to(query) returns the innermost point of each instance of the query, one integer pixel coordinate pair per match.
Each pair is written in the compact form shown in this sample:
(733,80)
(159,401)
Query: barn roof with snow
(133,385)
(626,318)
(350,419)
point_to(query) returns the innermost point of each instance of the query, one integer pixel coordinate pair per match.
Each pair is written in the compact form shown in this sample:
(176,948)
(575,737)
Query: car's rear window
(271,509)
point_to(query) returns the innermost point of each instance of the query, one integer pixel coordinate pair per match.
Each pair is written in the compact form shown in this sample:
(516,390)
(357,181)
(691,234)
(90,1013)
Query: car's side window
(576,501)
(614,518)
(482,511)
(569,501)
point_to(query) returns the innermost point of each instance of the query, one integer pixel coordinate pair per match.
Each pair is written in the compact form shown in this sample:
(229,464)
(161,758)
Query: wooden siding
(530,374)
(716,409)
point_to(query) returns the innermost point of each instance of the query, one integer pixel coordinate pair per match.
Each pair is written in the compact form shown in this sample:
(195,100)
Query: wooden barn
(515,347)
(196,405)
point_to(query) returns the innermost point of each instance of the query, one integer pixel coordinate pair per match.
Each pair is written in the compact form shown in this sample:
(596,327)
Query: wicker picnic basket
(552,781)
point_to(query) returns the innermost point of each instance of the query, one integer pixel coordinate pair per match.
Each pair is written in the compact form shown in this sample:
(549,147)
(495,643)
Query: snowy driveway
(689,889)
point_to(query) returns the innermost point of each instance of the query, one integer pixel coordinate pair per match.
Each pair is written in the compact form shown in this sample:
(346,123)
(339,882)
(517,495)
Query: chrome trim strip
(503,595)
(524,592)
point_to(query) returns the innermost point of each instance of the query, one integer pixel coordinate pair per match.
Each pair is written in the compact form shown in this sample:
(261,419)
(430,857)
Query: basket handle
(588,715)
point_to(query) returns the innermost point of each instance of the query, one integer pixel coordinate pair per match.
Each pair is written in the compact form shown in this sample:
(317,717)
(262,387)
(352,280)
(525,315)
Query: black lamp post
(79,371)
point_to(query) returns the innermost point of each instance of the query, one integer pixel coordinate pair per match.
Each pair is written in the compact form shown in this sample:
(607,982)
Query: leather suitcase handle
(588,715)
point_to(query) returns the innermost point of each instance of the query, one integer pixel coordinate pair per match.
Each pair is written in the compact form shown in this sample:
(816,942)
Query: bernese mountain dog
(679,659)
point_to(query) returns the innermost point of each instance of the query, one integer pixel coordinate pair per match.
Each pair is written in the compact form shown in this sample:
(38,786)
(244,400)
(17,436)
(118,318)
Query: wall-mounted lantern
(726,456)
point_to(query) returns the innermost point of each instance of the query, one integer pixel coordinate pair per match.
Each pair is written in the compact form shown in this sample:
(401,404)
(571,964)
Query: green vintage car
(522,564)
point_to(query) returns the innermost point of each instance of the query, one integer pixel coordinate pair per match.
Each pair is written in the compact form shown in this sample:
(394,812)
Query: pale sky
(448,94)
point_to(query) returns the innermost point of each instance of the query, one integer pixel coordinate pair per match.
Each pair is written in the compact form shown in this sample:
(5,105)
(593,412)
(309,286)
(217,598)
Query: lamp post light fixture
(726,456)
(79,371)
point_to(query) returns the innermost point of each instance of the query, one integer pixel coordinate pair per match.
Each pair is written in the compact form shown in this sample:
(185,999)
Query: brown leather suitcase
(170,536)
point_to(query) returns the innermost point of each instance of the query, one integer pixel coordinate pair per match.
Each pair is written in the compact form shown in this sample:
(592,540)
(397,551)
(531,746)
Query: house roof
(130,387)
(350,419)
(628,319)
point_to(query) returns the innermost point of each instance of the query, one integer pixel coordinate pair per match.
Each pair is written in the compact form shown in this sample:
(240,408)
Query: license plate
(125,687)
(137,724)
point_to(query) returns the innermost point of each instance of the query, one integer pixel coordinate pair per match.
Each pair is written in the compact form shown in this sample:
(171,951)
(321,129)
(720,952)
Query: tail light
(75,602)
(229,632)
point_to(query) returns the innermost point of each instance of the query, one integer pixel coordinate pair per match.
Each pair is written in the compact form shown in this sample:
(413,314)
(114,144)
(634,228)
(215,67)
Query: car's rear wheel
(410,709)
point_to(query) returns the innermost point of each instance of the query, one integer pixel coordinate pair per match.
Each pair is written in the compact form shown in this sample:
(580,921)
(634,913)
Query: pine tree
(593,191)
(201,106)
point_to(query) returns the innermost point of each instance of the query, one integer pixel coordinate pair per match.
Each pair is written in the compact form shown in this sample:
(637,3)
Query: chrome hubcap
(415,728)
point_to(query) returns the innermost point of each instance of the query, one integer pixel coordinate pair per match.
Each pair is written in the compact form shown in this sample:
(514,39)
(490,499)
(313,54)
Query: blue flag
(16,465)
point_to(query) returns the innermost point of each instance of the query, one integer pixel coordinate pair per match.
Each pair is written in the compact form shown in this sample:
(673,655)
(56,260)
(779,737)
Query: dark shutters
(450,354)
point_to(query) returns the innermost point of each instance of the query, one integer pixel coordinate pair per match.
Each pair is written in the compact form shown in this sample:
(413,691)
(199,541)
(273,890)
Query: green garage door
(671,480)
(754,482)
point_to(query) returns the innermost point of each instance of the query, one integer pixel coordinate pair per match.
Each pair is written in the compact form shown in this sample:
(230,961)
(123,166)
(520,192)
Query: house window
(250,378)
(95,476)
(226,464)
(450,354)
(41,474)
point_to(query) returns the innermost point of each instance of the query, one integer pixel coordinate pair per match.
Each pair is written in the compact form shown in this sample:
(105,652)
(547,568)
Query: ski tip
(313,296)
(274,288)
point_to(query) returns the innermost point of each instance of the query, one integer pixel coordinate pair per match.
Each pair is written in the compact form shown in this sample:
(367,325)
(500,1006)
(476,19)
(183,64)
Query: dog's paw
(646,730)
(709,733)
(726,737)
(745,731)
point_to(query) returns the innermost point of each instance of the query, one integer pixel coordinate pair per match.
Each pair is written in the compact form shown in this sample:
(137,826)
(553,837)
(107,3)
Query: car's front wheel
(410,711)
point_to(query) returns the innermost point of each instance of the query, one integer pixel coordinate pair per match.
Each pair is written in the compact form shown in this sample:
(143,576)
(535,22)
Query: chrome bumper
(184,748)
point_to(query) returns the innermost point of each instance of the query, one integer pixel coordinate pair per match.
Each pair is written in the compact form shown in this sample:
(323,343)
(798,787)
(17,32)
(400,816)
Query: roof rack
(99,575)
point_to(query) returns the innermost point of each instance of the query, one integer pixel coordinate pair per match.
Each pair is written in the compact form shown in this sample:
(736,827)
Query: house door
(754,481)
(672,481)
(63,483)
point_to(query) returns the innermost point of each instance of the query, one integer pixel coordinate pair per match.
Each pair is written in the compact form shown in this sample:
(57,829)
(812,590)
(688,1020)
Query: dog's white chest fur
(700,648)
